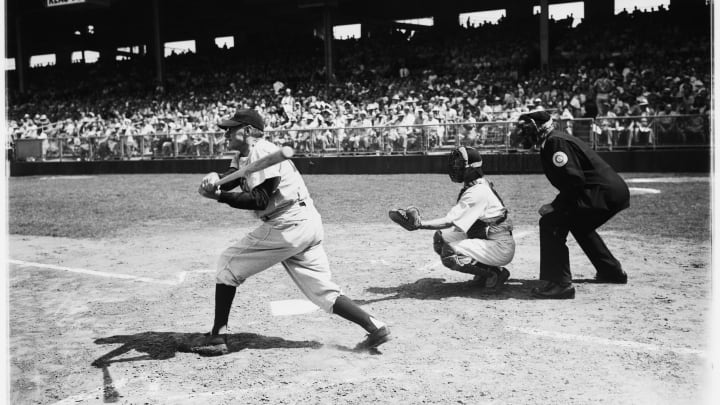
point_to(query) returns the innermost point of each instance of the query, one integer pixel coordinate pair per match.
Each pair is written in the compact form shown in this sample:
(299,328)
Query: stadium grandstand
(410,78)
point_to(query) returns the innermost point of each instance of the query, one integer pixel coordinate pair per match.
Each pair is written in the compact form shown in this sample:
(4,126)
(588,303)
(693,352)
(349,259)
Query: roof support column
(22,63)
(328,43)
(158,50)
(544,36)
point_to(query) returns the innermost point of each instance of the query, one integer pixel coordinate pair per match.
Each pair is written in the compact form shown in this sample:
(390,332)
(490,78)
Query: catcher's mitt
(408,218)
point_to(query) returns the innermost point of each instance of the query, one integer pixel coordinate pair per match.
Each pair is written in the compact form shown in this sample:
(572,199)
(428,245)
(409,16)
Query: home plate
(640,190)
(292,307)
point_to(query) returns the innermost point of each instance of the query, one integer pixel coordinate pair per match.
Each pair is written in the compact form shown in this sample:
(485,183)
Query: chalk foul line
(610,342)
(180,278)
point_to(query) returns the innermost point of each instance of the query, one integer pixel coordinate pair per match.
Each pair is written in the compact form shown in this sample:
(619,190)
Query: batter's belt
(282,209)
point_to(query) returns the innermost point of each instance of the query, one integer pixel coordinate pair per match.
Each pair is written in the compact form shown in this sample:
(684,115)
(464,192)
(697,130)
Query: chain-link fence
(602,133)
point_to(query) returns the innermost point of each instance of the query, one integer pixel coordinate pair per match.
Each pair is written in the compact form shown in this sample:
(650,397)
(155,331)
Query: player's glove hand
(408,218)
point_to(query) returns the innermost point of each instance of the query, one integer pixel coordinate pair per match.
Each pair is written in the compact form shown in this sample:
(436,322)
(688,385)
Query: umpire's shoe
(555,291)
(374,339)
(617,278)
(209,345)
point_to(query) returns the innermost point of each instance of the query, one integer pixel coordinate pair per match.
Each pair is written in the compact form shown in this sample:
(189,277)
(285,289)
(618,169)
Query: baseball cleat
(555,291)
(374,339)
(498,278)
(209,345)
(479,280)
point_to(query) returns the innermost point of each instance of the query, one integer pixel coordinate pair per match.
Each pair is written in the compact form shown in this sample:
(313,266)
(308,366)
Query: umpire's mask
(464,165)
(535,127)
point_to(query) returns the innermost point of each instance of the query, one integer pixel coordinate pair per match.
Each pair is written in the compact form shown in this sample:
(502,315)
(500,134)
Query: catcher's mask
(535,127)
(464,165)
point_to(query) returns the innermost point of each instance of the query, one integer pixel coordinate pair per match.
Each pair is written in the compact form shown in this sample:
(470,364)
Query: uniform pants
(497,250)
(554,256)
(297,245)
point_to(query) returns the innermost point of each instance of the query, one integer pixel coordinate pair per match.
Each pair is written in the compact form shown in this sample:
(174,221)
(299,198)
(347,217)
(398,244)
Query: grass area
(97,206)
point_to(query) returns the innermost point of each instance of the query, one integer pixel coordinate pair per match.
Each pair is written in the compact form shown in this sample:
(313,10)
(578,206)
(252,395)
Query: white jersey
(478,202)
(291,189)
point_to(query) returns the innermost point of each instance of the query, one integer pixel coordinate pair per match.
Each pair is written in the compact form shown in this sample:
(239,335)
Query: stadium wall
(513,163)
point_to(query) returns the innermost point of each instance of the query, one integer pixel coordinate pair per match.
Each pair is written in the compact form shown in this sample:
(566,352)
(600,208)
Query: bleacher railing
(602,133)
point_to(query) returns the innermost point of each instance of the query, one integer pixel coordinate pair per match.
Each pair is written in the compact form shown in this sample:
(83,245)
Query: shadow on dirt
(164,345)
(437,288)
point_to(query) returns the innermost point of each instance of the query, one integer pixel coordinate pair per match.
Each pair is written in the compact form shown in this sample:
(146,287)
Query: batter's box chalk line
(179,278)
(628,344)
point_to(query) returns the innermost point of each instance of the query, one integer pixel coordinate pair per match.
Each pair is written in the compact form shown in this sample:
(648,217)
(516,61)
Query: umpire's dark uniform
(591,193)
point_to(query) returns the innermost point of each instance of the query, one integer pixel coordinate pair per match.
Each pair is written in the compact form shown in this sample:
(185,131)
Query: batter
(291,233)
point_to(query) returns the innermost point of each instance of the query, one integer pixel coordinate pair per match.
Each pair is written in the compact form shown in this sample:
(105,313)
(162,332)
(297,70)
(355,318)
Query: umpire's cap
(244,116)
(539,116)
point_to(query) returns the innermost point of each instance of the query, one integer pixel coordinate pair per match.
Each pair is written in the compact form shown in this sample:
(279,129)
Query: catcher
(480,241)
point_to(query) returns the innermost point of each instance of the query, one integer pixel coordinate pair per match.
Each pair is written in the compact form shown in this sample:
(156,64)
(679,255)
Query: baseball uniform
(479,206)
(291,233)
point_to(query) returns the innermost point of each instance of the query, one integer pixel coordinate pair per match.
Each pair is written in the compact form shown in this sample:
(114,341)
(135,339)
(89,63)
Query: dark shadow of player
(437,289)
(164,345)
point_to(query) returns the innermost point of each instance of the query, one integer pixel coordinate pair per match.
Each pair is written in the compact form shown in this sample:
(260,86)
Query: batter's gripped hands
(546,209)
(210,178)
(207,187)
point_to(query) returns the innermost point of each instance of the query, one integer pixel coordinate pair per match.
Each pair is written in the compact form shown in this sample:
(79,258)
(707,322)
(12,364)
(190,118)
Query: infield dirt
(81,335)
(87,338)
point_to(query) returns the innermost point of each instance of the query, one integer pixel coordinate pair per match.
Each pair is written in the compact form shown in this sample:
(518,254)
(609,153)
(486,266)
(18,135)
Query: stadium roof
(120,23)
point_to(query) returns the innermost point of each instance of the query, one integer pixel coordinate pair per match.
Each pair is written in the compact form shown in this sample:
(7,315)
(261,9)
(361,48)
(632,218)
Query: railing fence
(602,133)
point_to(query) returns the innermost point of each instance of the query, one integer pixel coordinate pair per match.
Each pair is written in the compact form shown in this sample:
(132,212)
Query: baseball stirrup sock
(224,295)
(346,308)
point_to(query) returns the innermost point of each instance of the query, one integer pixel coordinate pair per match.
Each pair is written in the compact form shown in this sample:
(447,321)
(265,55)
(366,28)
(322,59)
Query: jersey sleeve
(261,150)
(568,172)
(469,208)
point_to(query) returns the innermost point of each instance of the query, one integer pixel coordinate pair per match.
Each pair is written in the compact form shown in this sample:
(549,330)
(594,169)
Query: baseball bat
(272,159)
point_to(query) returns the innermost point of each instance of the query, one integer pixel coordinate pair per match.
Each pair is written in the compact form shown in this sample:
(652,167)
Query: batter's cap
(243,117)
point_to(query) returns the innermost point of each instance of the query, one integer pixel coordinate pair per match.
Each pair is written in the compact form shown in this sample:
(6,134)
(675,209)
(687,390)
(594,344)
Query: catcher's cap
(244,116)
(539,116)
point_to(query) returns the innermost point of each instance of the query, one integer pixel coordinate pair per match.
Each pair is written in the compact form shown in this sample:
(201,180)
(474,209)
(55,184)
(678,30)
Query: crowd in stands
(385,85)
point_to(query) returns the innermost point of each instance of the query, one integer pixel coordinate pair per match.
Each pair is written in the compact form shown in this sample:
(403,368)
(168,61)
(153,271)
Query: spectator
(603,86)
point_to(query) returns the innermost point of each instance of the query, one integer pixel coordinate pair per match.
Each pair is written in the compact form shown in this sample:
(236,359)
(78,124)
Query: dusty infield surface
(111,275)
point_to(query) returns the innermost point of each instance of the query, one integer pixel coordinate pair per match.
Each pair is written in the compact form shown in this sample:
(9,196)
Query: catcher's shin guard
(438,242)
(464,264)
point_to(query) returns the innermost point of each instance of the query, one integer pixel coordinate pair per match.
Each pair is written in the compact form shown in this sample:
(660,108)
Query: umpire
(591,193)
